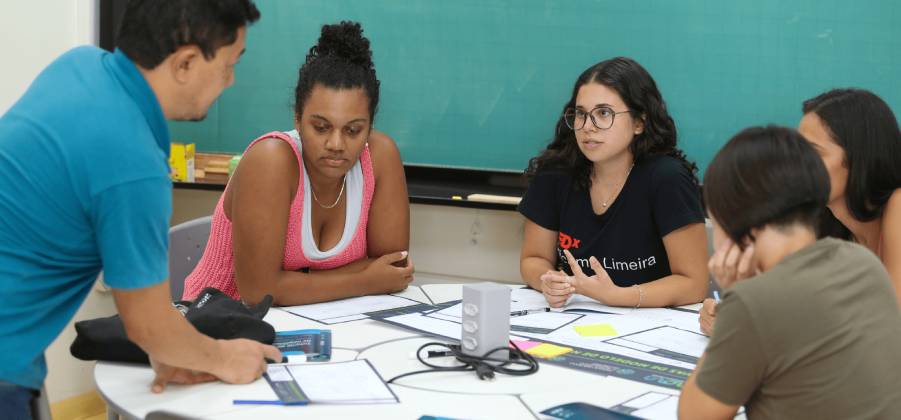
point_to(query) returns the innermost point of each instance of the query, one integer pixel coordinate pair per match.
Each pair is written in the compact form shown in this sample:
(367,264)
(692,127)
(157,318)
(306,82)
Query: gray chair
(186,244)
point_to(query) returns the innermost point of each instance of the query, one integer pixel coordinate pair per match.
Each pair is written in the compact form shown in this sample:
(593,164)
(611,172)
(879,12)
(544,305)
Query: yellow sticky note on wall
(596,330)
(548,351)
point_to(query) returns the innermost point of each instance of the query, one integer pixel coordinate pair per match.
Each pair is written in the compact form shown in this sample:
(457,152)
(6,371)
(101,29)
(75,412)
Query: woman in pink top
(320,213)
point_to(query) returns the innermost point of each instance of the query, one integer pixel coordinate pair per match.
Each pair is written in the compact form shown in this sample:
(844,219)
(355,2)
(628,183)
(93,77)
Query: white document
(605,346)
(646,400)
(260,392)
(528,296)
(642,355)
(651,405)
(540,320)
(413,293)
(534,297)
(544,320)
(349,309)
(279,373)
(679,319)
(456,311)
(354,382)
(444,317)
(340,319)
(664,409)
(657,406)
(585,303)
(618,325)
(441,327)
(693,307)
(666,338)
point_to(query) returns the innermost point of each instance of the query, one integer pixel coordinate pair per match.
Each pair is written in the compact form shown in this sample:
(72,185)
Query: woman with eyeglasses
(321,212)
(613,210)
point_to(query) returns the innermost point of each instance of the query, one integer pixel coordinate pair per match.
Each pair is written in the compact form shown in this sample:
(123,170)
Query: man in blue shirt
(84,186)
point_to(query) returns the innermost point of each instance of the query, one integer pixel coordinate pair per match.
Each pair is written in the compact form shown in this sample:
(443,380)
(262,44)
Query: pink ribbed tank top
(217,269)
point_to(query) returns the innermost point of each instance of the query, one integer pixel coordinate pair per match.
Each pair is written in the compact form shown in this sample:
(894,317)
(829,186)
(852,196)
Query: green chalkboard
(480,83)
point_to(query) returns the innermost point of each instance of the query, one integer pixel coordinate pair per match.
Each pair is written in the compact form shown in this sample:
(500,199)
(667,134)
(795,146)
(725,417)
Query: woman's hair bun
(343,40)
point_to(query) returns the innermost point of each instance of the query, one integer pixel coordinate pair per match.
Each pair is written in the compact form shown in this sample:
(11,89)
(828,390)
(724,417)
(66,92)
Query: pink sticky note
(525,345)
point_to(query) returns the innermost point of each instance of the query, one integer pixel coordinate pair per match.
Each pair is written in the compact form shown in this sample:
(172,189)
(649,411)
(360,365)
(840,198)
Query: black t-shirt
(658,197)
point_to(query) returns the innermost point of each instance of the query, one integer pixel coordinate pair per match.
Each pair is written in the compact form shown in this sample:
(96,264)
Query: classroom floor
(83,407)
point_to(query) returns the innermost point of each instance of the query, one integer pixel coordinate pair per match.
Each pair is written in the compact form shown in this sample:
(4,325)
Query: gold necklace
(623,184)
(340,193)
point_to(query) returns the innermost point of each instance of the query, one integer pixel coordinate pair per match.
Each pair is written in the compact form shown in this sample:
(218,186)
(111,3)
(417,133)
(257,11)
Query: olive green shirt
(816,336)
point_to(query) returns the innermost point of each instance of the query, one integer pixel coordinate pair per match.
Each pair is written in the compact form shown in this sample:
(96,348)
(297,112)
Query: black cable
(484,366)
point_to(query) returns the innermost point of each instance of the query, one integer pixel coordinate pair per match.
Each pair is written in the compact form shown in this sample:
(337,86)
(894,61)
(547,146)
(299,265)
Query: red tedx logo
(567,242)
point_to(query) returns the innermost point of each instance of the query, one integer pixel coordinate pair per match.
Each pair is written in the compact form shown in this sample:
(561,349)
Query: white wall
(33,33)
(452,243)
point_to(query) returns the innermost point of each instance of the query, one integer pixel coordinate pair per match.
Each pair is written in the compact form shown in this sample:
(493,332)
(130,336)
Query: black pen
(529,311)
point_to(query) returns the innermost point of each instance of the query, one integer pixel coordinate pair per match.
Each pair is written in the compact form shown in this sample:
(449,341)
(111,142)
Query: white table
(391,350)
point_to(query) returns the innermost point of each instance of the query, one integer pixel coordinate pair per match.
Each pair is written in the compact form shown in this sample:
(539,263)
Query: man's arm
(179,352)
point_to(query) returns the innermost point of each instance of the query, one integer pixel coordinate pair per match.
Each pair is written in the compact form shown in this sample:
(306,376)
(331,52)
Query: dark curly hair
(341,59)
(639,91)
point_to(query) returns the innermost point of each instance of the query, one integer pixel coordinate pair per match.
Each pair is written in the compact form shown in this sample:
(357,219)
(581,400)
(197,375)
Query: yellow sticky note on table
(596,330)
(548,351)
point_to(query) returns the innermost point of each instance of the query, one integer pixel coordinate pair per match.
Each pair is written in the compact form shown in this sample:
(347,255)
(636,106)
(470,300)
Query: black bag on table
(213,313)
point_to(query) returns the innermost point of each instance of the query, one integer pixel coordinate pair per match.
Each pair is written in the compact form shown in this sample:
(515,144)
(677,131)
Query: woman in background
(321,212)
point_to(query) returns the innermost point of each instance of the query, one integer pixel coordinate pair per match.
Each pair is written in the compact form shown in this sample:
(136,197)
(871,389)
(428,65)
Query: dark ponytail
(341,59)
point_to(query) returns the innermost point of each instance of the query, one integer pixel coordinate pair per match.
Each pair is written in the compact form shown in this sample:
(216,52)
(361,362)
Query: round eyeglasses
(602,117)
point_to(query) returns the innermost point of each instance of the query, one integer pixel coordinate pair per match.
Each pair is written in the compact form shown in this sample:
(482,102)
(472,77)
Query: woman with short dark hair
(815,332)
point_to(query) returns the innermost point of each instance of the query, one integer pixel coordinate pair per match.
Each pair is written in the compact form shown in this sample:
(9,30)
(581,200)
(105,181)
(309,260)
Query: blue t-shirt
(659,196)
(83,186)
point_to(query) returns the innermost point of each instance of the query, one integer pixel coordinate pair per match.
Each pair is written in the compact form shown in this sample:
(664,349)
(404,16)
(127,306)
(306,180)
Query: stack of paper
(346,310)
(354,382)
